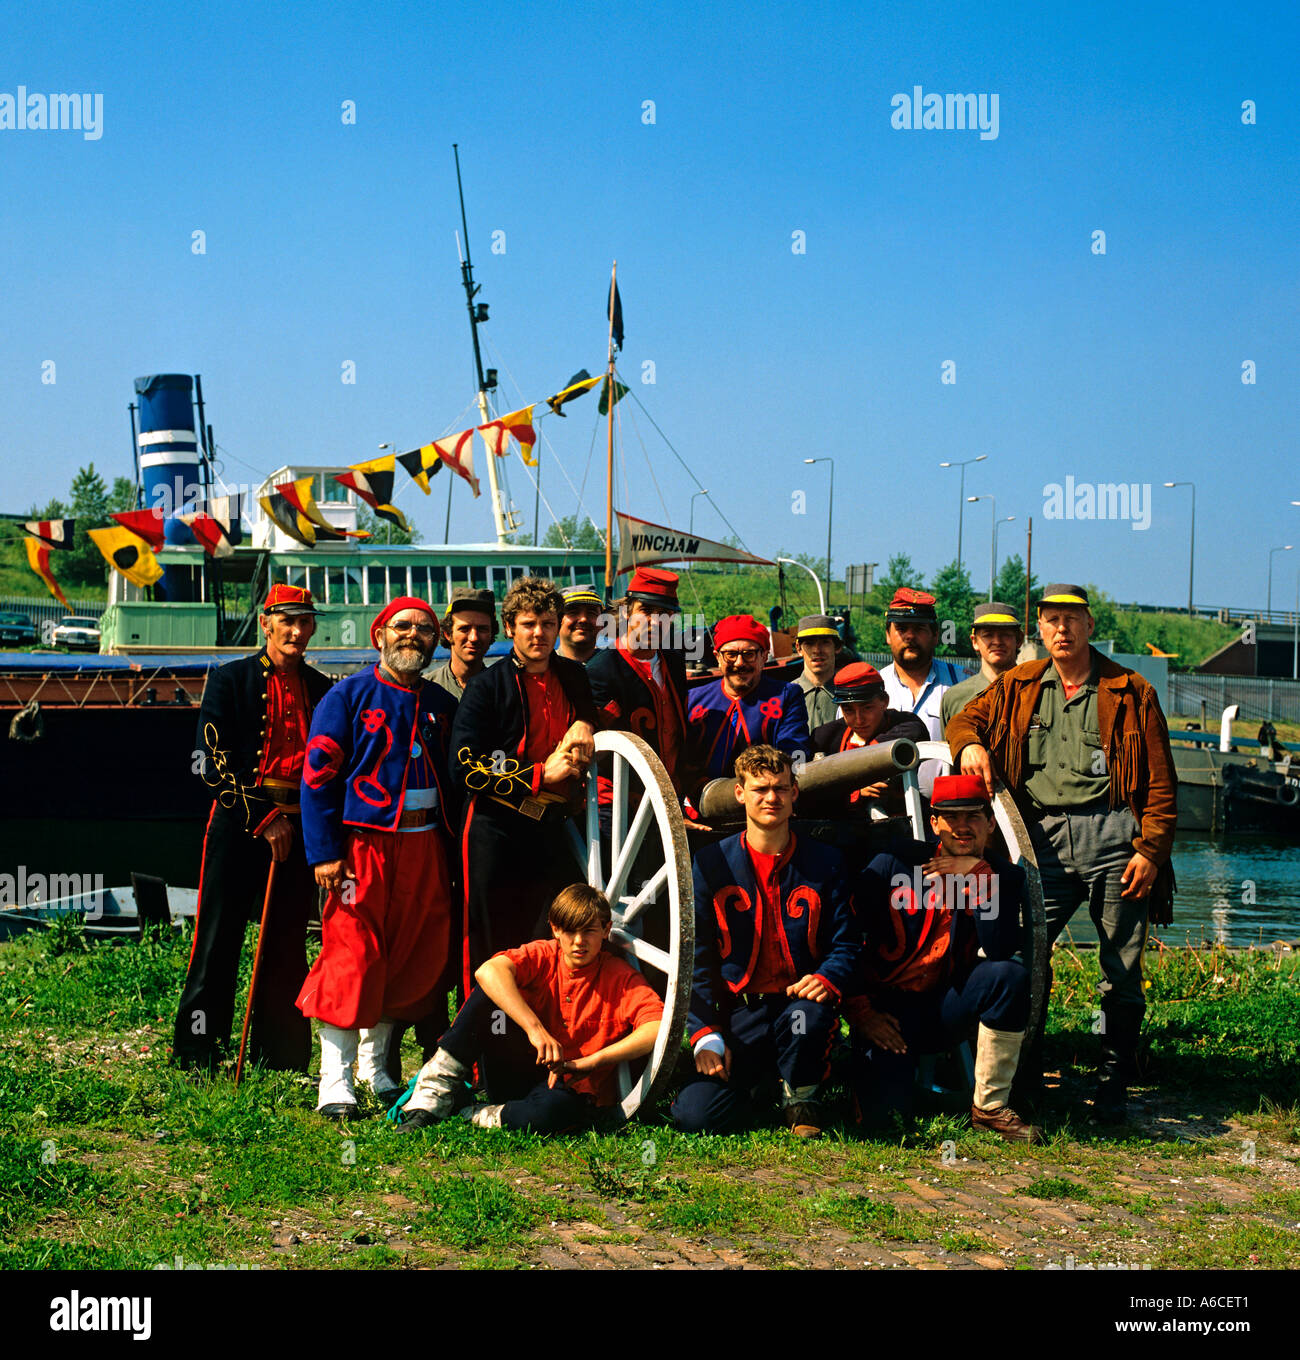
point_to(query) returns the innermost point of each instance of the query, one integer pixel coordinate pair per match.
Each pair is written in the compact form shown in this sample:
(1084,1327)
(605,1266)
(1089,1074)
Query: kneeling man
(776,944)
(564,1005)
(942,939)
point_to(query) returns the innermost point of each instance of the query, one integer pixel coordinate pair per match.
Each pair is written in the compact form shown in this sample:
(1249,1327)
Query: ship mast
(609,443)
(478,312)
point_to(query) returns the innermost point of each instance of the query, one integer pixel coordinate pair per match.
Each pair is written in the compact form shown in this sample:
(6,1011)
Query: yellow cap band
(1063,599)
(996,618)
(815,632)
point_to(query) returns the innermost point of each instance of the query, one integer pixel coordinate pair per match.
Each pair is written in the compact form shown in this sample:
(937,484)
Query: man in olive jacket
(1081,743)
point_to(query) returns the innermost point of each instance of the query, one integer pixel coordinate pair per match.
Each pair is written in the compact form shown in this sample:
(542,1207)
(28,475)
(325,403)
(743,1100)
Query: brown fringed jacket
(1131,727)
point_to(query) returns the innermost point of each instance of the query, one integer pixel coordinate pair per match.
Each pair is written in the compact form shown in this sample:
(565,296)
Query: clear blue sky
(328,243)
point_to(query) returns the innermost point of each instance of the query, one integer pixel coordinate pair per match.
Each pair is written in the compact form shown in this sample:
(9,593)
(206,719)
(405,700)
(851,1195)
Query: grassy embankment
(109,1159)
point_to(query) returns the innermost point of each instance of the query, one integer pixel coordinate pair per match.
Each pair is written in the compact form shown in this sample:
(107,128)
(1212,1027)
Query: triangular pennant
(129,554)
(210,532)
(57,533)
(228,511)
(457,451)
(147,524)
(620,391)
(518,425)
(373,482)
(300,496)
(614,313)
(287,519)
(640,542)
(581,382)
(38,558)
(421,463)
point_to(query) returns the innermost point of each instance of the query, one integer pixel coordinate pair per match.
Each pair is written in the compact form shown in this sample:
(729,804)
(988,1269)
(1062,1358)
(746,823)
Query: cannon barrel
(840,773)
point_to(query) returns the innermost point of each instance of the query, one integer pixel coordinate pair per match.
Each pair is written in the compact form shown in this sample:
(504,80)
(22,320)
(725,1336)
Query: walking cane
(252,982)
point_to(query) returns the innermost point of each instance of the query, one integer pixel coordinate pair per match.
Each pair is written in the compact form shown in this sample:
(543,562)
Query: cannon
(635,849)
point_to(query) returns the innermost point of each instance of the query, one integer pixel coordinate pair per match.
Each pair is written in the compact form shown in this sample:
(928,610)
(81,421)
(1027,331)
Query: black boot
(1121,1026)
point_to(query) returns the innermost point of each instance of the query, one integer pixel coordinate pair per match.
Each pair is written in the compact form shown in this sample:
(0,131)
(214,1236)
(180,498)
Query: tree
(89,505)
(122,496)
(1010,585)
(954,602)
(1108,623)
(900,572)
(568,533)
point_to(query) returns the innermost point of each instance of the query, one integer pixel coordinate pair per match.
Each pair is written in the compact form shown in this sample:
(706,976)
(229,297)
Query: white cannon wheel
(1016,835)
(655,830)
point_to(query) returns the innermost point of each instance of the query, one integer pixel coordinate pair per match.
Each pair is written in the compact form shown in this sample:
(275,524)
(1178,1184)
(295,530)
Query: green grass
(109,1159)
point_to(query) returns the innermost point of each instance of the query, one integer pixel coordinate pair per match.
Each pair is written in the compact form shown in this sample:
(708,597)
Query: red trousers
(384,939)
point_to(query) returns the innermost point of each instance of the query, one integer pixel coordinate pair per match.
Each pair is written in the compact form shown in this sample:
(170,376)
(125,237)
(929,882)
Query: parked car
(79,633)
(17,628)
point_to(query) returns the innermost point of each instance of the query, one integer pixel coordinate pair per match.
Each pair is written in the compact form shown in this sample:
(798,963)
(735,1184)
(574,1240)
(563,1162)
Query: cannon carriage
(636,848)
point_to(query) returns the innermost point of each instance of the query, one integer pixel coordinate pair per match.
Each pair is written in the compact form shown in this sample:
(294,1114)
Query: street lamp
(830,511)
(1271,551)
(1191,561)
(691,530)
(961,496)
(993,536)
(1006,519)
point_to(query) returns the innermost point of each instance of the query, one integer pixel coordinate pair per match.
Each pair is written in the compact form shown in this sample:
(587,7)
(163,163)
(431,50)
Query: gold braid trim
(499,771)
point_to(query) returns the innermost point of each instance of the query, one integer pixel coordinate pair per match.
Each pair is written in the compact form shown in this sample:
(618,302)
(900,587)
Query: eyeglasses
(424,630)
(739,654)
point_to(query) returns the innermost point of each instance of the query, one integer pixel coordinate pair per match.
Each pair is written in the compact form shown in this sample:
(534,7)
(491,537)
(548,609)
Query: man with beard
(915,682)
(522,739)
(253,733)
(376,810)
(579,623)
(996,636)
(639,684)
(468,628)
(744,707)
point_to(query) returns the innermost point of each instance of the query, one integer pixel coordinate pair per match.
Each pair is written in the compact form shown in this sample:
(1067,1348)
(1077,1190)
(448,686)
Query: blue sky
(328,242)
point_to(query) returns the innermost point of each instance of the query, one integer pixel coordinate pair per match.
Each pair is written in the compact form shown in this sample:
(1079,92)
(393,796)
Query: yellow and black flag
(38,558)
(128,553)
(422,463)
(373,482)
(581,382)
(300,497)
(287,519)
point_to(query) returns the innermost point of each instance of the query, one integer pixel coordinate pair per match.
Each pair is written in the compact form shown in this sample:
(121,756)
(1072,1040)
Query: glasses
(739,654)
(424,630)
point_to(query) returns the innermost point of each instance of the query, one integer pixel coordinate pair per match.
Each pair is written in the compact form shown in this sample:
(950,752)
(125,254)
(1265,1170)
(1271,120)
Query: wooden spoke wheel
(640,860)
(1020,850)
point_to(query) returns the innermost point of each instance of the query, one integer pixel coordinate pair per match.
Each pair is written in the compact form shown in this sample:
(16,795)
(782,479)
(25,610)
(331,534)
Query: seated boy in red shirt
(565,1005)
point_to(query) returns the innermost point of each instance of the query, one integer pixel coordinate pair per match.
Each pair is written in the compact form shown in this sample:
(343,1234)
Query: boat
(110,914)
(1223,788)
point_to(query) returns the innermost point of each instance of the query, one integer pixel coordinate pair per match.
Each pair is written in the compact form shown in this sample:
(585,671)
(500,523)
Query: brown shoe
(803,1119)
(1006,1123)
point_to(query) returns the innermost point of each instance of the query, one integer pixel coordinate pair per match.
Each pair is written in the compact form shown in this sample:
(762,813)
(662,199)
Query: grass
(109,1159)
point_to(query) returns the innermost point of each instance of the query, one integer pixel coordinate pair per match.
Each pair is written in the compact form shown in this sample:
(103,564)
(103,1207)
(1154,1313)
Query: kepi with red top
(959,793)
(289,601)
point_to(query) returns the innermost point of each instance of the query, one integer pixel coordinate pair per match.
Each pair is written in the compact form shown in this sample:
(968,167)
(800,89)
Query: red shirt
(584,1009)
(550,716)
(287,723)
(773,969)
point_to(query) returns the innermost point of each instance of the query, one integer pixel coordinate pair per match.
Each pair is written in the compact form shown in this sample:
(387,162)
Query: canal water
(1239,893)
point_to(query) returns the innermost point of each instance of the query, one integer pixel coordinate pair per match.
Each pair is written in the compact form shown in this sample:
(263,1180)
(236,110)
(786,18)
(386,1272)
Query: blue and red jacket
(772,714)
(814,911)
(924,935)
(372,740)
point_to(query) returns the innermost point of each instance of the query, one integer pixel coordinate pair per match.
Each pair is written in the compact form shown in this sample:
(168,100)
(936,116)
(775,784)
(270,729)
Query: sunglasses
(424,630)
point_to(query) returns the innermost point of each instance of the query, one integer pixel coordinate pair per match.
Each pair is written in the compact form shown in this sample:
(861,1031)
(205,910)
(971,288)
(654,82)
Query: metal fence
(41,610)
(1257,696)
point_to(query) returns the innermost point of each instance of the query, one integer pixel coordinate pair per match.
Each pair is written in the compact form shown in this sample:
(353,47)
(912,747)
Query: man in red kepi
(252,735)
(943,951)
(744,707)
(639,684)
(376,819)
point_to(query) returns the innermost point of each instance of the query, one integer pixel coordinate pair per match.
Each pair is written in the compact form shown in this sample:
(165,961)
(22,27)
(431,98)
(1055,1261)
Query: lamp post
(1286,548)
(691,530)
(830,512)
(993,540)
(961,496)
(1295,632)
(1191,560)
(1006,519)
